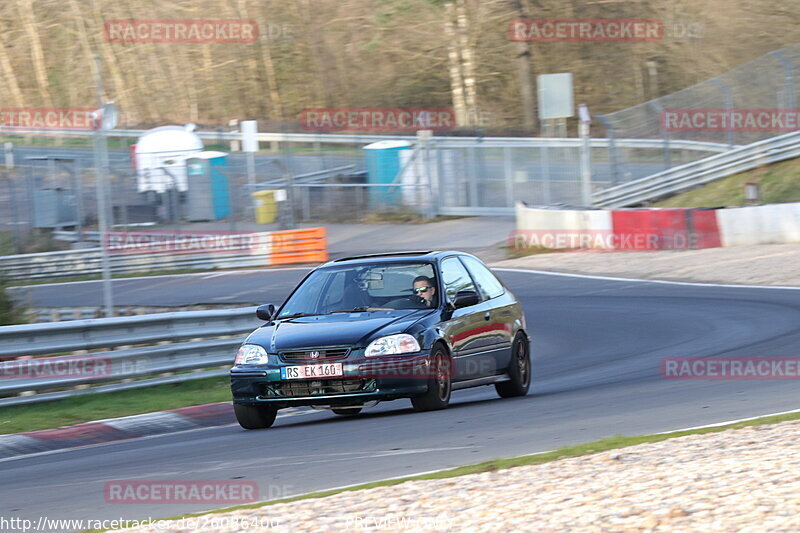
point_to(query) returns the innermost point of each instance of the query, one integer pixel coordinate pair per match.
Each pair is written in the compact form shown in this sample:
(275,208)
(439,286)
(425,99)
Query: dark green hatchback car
(361,330)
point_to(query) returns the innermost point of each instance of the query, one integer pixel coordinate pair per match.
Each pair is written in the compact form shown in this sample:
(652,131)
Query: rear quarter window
(488,284)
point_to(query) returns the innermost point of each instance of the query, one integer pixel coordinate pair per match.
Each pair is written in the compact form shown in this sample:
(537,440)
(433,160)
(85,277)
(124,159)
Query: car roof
(425,255)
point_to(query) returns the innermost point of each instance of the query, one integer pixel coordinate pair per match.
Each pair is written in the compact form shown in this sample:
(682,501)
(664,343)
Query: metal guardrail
(283,247)
(86,262)
(212,338)
(311,138)
(58,337)
(700,172)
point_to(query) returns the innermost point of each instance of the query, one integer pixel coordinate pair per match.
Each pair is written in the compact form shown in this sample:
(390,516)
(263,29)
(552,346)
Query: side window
(488,285)
(455,277)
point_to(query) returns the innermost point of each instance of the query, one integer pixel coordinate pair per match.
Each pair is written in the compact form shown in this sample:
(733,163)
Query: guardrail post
(508,172)
(788,79)
(438,192)
(728,96)
(473,176)
(612,148)
(665,149)
(586,165)
(544,153)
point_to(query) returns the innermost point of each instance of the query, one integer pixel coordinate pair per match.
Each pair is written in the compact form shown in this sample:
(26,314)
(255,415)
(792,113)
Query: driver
(425,290)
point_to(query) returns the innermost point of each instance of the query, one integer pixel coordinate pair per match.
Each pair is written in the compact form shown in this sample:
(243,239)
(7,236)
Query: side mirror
(265,312)
(466,299)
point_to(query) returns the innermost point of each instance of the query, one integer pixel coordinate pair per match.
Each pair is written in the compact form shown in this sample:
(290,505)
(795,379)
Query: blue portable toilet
(208,196)
(383,165)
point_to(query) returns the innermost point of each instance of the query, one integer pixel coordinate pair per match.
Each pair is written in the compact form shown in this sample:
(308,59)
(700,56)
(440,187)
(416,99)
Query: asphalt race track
(597,345)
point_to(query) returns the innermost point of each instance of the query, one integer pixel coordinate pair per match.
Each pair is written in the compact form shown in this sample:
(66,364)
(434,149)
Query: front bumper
(363,380)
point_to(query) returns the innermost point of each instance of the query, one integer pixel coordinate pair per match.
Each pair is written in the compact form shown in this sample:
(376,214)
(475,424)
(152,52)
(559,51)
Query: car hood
(338,329)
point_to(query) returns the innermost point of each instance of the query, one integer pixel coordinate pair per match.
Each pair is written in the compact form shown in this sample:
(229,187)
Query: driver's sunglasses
(421,290)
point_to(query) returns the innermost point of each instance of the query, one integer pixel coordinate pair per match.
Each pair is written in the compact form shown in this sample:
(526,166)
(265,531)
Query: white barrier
(764,224)
(738,226)
(540,222)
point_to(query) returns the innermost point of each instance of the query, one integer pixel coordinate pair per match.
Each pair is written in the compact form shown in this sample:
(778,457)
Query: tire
(439,384)
(346,412)
(254,416)
(519,370)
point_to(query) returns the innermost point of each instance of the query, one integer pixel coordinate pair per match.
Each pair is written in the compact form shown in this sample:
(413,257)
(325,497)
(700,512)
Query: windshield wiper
(361,309)
(296,315)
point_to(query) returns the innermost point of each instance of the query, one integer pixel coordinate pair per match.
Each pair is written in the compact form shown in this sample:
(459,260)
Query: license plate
(327,370)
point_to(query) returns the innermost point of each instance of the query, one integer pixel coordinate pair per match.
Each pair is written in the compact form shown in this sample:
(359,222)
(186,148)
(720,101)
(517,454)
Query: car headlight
(391,345)
(251,354)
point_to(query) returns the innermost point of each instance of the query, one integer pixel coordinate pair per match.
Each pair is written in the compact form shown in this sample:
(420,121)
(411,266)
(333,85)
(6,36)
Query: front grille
(321,387)
(315,354)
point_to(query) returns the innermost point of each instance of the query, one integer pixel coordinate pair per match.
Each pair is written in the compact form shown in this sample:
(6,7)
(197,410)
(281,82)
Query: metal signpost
(105,118)
(586,154)
(249,130)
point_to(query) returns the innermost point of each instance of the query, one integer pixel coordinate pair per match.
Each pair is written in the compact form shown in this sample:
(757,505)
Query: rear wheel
(347,412)
(439,386)
(254,416)
(519,370)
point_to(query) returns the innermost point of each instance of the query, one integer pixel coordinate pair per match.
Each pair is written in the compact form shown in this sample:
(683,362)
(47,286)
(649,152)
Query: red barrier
(665,229)
(704,228)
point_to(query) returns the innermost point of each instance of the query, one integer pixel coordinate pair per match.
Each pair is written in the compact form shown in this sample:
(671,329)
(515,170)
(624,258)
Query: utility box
(53,208)
(266,206)
(384,162)
(208,195)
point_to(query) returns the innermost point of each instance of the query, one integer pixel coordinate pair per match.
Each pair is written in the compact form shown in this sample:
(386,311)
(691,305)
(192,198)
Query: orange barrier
(307,245)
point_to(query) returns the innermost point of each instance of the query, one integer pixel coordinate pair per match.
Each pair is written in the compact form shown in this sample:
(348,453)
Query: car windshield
(364,288)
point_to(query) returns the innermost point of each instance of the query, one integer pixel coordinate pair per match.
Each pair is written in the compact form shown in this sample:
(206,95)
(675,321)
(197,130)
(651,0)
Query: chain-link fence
(765,83)
(325,178)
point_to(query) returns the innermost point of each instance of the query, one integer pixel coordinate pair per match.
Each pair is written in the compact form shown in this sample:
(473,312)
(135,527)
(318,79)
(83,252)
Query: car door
(498,313)
(462,327)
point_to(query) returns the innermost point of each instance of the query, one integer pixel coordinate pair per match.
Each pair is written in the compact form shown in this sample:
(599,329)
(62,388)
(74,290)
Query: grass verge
(69,411)
(780,182)
(525,460)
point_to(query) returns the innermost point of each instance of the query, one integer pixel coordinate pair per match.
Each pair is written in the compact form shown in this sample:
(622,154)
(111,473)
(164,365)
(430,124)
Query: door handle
(487,315)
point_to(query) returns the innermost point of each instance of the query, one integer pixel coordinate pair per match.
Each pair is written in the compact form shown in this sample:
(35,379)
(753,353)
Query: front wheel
(438,395)
(519,370)
(254,416)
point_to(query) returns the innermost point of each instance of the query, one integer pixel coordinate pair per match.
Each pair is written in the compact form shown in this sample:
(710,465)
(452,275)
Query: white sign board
(249,136)
(555,96)
(105,118)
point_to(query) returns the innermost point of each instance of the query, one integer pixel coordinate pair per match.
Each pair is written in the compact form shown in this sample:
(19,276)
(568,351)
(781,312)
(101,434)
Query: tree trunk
(10,77)
(525,75)
(454,62)
(28,19)
(272,78)
(468,65)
